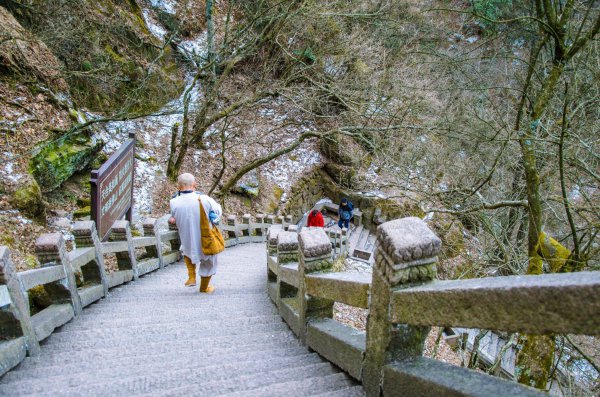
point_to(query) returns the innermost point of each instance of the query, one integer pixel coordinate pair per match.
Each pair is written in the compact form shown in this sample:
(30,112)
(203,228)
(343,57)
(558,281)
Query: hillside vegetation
(479,116)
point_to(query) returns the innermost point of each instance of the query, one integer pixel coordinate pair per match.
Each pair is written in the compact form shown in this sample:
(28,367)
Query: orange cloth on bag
(210,236)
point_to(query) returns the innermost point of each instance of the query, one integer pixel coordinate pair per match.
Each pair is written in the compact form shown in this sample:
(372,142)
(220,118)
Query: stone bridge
(138,331)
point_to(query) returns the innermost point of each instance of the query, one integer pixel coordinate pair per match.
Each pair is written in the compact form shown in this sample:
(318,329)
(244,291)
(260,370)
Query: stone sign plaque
(112,188)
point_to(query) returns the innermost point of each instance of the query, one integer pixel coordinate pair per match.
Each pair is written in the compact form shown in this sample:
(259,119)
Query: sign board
(112,188)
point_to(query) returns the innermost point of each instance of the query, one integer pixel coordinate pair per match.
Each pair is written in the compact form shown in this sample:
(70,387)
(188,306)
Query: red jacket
(315,219)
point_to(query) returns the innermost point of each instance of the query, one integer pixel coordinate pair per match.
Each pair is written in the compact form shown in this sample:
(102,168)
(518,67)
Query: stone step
(354,391)
(65,341)
(106,322)
(109,328)
(298,388)
(222,376)
(245,385)
(222,345)
(185,311)
(110,370)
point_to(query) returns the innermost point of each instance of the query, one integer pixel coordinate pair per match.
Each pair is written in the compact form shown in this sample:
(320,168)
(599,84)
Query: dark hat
(344,200)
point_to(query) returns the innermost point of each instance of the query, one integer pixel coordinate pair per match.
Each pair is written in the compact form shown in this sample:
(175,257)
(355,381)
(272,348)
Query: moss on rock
(56,162)
(28,199)
(82,212)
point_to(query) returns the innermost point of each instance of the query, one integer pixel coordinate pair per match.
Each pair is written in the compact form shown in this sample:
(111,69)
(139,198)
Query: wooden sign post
(112,188)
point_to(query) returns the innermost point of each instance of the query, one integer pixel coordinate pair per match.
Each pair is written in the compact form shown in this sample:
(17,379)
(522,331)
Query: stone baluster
(279,220)
(18,309)
(150,226)
(344,242)
(126,260)
(175,243)
(287,253)
(86,236)
(261,231)
(270,219)
(315,256)
(231,221)
(272,234)
(287,247)
(246,221)
(50,250)
(333,234)
(287,222)
(406,254)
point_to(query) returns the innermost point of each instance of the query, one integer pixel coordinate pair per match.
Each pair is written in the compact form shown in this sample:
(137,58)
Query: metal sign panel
(112,188)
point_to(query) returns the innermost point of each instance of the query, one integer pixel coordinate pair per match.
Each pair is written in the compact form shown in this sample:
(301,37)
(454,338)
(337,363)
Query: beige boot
(191,268)
(204,287)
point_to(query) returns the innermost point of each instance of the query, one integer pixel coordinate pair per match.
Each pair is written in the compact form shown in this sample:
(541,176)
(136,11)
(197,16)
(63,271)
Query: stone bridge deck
(155,337)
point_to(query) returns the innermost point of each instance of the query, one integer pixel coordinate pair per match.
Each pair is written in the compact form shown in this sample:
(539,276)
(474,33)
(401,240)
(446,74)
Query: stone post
(50,250)
(272,234)
(287,221)
(287,247)
(150,226)
(315,256)
(126,259)
(19,307)
(406,254)
(86,236)
(175,243)
(272,264)
(260,218)
(287,253)
(246,221)
(279,220)
(231,221)
(270,219)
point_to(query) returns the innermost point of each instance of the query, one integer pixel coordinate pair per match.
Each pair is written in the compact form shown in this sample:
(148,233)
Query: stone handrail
(404,301)
(21,332)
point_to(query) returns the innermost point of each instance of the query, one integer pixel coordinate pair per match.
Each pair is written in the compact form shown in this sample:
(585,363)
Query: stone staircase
(154,337)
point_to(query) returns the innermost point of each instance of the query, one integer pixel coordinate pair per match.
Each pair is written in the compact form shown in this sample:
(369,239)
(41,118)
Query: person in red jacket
(315,218)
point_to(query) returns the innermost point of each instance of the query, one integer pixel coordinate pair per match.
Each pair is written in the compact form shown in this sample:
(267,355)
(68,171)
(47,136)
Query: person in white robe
(185,213)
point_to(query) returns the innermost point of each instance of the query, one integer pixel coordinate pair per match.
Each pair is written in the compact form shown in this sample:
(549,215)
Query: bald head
(186,181)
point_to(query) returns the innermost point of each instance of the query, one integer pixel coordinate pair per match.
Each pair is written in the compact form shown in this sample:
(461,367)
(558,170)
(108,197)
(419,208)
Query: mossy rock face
(342,175)
(249,185)
(28,199)
(82,212)
(337,149)
(58,161)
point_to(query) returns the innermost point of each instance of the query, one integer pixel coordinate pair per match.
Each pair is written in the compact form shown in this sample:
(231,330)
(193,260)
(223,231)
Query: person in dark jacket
(345,213)
(315,218)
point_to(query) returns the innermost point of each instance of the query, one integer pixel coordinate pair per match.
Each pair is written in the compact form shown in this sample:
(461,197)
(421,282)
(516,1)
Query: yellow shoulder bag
(210,236)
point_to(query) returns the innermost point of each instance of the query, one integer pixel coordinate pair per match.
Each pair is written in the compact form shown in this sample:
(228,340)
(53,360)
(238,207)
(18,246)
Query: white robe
(186,211)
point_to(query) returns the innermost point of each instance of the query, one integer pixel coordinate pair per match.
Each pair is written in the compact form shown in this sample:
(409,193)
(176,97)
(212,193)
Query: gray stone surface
(156,337)
(571,303)
(408,239)
(314,242)
(46,321)
(12,352)
(349,288)
(425,377)
(339,343)
(272,234)
(287,241)
(34,277)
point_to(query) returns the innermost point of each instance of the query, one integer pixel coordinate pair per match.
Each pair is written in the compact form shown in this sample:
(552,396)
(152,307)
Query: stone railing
(405,300)
(21,332)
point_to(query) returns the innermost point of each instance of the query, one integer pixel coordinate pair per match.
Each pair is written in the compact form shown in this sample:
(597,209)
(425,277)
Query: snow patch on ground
(167,6)
(155,28)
